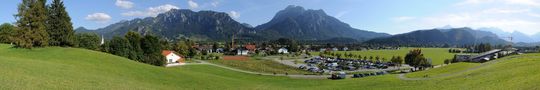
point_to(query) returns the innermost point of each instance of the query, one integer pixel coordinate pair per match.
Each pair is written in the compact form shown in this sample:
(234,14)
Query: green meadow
(437,55)
(73,68)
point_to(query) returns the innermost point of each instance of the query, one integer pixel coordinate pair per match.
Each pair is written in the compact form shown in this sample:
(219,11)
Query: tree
(416,59)
(31,24)
(119,46)
(399,60)
(88,40)
(292,44)
(181,47)
(6,33)
(134,39)
(59,26)
(152,50)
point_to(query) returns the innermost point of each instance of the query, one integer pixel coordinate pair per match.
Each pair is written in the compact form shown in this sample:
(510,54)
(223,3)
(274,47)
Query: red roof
(166,52)
(251,47)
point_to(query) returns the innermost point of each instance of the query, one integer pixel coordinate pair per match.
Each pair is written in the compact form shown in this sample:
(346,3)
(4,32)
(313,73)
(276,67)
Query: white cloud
(192,4)
(524,2)
(215,3)
(508,15)
(234,14)
(124,4)
(403,18)
(506,2)
(505,11)
(152,11)
(98,17)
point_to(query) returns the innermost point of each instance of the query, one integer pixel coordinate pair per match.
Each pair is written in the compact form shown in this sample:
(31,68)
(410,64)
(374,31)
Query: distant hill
(202,25)
(454,36)
(301,24)
(516,35)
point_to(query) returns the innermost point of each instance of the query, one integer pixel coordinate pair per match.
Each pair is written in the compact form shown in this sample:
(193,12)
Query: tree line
(41,25)
(146,49)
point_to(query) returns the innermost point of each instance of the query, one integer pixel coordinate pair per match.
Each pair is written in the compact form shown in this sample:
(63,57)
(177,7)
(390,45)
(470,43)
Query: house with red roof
(172,58)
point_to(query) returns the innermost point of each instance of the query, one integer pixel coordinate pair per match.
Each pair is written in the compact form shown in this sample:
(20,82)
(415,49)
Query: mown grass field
(264,66)
(438,55)
(452,68)
(71,68)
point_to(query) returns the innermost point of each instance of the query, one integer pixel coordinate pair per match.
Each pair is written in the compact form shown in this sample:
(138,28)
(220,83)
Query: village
(328,62)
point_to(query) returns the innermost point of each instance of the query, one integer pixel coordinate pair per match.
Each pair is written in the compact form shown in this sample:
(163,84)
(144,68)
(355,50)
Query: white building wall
(172,58)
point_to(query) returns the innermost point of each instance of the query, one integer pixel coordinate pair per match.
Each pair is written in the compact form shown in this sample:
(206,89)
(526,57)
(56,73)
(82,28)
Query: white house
(283,50)
(172,59)
(242,52)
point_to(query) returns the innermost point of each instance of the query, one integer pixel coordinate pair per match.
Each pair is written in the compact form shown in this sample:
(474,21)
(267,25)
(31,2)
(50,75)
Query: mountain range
(179,23)
(447,36)
(307,24)
(294,22)
(516,35)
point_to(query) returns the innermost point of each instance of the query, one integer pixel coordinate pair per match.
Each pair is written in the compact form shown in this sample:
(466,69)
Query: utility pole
(510,38)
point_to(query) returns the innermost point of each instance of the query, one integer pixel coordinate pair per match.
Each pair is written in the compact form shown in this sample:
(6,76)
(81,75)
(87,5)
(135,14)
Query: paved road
(403,77)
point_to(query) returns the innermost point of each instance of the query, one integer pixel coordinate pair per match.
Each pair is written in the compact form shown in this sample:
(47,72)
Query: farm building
(283,50)
(172,58)
(242,52)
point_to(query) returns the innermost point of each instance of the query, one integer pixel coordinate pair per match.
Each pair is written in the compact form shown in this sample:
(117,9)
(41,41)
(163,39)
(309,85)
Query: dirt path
(403,77)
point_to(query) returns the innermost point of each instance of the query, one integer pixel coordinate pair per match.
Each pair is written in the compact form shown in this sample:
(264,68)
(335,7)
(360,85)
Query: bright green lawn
(69,68)
(438,55)
(452,68)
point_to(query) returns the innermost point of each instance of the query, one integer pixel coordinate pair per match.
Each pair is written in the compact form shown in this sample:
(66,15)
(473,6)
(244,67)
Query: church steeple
(102,40)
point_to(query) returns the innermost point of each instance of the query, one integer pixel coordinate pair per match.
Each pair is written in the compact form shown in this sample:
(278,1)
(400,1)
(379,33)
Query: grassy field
(452,68)
(265,66)
(71,68)
(438,55)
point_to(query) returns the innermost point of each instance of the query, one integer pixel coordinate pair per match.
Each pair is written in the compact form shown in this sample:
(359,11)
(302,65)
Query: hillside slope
(71,68)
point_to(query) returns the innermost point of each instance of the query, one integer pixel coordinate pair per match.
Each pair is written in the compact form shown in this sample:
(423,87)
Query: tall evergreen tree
(59,26)
(31,24)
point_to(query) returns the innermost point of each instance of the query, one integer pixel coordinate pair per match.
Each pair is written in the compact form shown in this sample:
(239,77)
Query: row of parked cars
(334,64)
(368,74)
(343,75)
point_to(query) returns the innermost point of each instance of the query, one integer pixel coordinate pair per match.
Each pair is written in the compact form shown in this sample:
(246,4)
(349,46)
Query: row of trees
(131,46)
(41,25)
(394,59)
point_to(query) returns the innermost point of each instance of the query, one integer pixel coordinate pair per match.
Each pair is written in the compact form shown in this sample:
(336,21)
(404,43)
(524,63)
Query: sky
(388,16)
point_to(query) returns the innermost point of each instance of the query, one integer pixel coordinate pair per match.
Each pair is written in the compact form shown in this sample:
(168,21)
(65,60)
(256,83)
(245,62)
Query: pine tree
(31,24)
(59,26)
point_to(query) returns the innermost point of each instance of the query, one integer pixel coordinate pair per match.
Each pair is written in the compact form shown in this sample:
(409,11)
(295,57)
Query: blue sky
(389,16)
